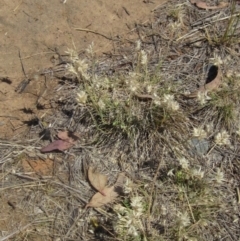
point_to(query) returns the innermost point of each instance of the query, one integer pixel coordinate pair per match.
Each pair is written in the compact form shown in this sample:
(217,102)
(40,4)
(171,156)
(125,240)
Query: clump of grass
(194,205)
(228,36)
(132,103)
(222,106)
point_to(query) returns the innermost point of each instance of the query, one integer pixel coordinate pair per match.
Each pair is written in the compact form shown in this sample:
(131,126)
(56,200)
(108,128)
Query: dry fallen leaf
(97,180)
(67,136)
(215,83)
(120,180)
(57,145)
(99,200)
(203,5)
(66,141)
(210,86)
(110,193)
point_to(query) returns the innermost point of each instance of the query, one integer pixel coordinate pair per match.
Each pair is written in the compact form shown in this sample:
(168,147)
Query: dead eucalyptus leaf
(120,181)
(63,135)
(215,83)
(203,5)
(67,136)
(97,180)
(209,86)
(110,193)
(57,145)
(67,140)
(99,200)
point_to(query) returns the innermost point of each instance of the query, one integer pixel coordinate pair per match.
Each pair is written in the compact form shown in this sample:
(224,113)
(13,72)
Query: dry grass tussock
(134,112)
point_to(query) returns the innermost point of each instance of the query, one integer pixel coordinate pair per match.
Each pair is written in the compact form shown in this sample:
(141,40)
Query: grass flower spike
(81,97)
(144,57)
(219,176)
(77,67)
(170,102)
(184,163)
(129,219)
(183,219)
(199,132)
(222,138)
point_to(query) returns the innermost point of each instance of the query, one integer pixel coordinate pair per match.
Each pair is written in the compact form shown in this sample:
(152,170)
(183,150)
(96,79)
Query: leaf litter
(203,5)
(66,141)
(210,84)
(105,194)
(97,180)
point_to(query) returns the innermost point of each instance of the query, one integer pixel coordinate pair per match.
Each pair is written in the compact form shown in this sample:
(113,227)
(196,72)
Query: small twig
(41,53)
(94,32)
(11,117)
(23,70)
(210,150)
(238,195)
(205,19)
(189,34)
(15,9)
(190,208)
(21,87)
(143,96)
(126,11)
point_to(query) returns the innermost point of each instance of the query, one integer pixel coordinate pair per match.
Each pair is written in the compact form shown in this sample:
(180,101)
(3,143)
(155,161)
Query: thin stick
(15,9)
(190,208)
(30,56)
(19,54)
(94,32)
(238,195)
(213,21)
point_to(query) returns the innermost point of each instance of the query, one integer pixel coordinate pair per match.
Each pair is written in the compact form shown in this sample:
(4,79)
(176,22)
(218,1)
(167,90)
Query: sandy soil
(36,28)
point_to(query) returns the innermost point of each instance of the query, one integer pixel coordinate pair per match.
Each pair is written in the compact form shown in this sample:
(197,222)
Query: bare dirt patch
(36,28)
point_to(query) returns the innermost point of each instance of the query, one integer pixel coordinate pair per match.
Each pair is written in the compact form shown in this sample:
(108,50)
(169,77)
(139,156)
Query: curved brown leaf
(110,193)
(99,200)
(67,140)
(211,86)
(203,5)
(57,145)
(67,136)
(97,180)
(63,135)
